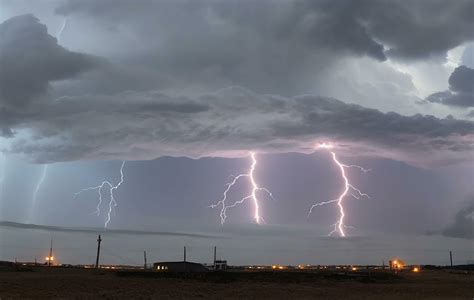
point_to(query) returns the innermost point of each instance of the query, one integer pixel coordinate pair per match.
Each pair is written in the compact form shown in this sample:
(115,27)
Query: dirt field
(78,283)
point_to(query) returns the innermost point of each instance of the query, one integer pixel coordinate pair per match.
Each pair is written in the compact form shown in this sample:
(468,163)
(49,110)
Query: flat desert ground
(65,283)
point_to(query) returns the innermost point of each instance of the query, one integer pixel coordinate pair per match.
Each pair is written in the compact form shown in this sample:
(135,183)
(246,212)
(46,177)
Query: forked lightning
(112,188)
(339,226)
(252,196)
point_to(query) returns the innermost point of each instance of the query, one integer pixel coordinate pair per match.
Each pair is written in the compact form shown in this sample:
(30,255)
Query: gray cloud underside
(147,125)
(15,225)
(461,89)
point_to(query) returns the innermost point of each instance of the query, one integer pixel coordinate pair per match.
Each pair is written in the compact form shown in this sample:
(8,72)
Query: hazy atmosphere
(237,124)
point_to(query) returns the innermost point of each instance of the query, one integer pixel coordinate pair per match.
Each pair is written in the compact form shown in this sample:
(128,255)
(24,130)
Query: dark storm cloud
(147,125)
(463,225)
(30,59)
(120,122)
(461,89)
(406,29)
(419,29)
(282,47)
(461,80)
(6,224)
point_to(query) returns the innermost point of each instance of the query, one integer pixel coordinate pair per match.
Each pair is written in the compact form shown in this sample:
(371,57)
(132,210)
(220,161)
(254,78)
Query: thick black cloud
(461,89)
(30,59)
(463,225)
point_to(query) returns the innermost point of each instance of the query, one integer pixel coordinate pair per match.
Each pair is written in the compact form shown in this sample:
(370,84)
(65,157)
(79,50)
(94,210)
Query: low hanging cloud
(91,230)
(229,122)
(461,89)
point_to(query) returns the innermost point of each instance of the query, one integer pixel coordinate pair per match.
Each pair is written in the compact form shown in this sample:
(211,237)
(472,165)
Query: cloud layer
(161,98)
(229,122)
(15,225)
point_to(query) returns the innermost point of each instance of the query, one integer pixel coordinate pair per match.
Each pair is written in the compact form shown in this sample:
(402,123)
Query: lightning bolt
(339,226)
(252,196)
(112,188)
(61,30)
(40,182)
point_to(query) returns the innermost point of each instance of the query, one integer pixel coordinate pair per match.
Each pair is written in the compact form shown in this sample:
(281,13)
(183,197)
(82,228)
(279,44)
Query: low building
(178,266)
(220,265)
(6,265)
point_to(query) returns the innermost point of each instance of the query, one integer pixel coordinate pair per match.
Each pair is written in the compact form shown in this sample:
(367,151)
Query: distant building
(221,265)
(6,265)
(178,266)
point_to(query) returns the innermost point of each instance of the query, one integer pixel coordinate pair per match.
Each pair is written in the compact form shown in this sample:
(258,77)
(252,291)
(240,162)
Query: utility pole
(451,258)
(215,252)
(144,258)
(50,253)
(185,269)
(98,252)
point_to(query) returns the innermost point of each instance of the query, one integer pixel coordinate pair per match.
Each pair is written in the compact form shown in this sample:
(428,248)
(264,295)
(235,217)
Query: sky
(185,92)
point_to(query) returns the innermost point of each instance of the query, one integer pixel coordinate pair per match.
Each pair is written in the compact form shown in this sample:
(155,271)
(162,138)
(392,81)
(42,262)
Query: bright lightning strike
(36,191)
(112,188)
(252,196)
(339,226)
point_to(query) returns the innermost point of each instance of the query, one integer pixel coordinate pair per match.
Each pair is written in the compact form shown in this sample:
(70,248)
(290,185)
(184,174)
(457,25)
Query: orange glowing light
(416,270)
